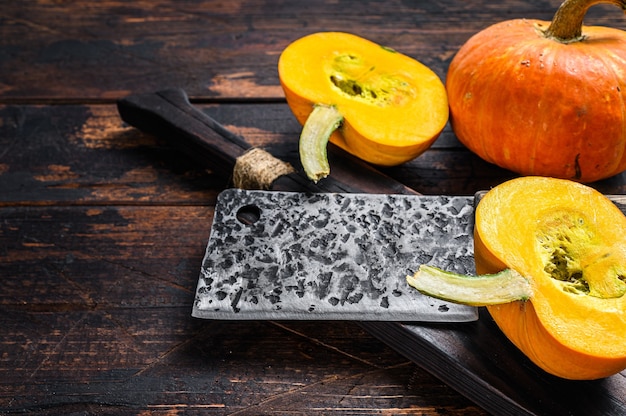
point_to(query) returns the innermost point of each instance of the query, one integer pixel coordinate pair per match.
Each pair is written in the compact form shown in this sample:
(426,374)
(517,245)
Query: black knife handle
(169,115)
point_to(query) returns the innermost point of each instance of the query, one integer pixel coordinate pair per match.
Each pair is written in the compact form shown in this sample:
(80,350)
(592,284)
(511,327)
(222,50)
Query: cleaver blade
(332,256)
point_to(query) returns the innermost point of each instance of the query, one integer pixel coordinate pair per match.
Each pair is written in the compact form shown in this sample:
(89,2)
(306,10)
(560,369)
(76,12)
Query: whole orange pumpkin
(544,98)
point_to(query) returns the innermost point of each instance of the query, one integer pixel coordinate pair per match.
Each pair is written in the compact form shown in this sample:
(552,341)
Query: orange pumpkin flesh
(393,107)
(568,240)
(542,98)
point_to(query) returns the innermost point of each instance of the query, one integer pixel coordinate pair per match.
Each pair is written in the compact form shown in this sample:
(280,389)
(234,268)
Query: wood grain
(216,49)
(103,227)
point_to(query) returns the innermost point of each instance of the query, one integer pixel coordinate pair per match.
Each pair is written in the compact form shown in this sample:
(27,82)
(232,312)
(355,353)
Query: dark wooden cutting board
(474,358)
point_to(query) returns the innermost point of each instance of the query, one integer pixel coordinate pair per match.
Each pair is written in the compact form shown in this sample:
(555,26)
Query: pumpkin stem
(567,23)
(490,289)
(322,122)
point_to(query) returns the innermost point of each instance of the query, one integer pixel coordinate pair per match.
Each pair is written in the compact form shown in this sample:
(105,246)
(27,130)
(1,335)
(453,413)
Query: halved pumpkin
(374,102)
(567,244)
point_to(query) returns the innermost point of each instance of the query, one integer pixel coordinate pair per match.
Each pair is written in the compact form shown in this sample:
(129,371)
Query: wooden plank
(85,51)
(83,154)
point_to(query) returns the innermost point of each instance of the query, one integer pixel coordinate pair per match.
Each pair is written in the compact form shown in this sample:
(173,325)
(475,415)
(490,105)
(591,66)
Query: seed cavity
(578,260)
(559,238)
(358,79)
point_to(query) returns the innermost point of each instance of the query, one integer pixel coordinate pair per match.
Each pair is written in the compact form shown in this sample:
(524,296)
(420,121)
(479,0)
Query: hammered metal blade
(326,256)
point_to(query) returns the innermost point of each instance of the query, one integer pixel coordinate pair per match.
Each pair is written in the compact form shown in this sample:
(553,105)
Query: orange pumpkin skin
(572,336)
(537,106)
(548,353)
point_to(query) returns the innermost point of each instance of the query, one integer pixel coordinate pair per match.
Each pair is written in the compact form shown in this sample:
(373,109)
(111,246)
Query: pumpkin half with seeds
(378,104)
(551,261)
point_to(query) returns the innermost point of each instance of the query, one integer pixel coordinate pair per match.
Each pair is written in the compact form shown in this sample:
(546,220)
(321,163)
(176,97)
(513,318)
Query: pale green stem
(322,122)
(494,289)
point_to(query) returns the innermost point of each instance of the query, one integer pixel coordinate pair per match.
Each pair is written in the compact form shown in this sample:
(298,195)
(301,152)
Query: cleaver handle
(169,115)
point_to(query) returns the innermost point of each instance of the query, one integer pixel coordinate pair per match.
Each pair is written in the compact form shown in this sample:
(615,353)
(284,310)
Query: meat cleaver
(369,285)
(332,256)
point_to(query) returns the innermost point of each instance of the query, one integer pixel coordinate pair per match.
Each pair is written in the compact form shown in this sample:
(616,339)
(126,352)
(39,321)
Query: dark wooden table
(103,226)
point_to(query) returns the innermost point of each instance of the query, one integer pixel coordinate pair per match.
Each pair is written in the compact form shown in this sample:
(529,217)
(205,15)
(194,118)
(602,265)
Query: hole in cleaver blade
(329,256)
(248,214)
